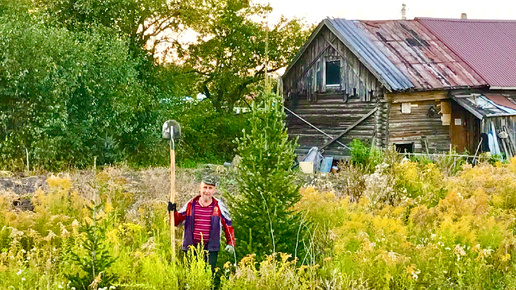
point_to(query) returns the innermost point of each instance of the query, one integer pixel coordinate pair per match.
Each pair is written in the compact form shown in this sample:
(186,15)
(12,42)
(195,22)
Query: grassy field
(400,225)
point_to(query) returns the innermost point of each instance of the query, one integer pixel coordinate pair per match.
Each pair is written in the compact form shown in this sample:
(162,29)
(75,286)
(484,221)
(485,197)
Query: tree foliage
(207,135)
(78,78)
(95,260)
(67,96)
(137,20)
(263,219)
(235,48)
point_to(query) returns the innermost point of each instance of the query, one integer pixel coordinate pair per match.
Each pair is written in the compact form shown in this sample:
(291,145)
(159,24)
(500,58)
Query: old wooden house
(423,85)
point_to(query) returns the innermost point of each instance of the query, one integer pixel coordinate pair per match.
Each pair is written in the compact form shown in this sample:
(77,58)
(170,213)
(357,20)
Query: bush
(421,181)
(276,271)
(207,135)
(366,156)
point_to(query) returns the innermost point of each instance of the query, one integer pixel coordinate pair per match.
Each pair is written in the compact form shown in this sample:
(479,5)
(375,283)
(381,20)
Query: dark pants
(212,259)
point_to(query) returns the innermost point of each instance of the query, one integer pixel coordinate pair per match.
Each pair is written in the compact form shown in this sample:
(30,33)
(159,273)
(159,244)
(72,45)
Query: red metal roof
(421,56)
(501,100)
(487,46)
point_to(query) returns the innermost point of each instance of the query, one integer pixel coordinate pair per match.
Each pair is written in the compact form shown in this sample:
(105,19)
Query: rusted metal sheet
(421,56)
(502,100)
(487,46)
(356,40)
(481,106)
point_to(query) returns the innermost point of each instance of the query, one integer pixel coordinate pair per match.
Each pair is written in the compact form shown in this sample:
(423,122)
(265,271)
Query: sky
(315,11)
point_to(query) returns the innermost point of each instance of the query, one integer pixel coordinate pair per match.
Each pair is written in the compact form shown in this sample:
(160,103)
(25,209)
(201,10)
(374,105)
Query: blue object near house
(326,164)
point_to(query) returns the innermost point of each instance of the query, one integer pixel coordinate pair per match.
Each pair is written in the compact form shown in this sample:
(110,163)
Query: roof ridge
(465,20)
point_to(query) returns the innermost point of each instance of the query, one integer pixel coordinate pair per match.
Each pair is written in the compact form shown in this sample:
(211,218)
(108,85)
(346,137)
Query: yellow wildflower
(505,257)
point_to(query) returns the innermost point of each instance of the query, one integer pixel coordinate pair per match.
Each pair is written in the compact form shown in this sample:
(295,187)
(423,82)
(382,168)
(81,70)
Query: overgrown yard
(402,225)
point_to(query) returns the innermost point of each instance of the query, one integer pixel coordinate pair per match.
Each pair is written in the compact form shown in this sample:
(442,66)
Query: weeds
(404,225)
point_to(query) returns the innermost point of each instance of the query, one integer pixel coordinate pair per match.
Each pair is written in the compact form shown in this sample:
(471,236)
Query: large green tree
(137,20)
(78,78)
(235,47)
(67,96)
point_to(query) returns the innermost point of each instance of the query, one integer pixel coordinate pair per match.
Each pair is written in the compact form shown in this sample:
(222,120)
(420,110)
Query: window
(333,72)
(405,147)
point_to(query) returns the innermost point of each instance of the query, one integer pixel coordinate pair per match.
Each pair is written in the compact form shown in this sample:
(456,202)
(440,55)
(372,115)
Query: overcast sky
(315,11)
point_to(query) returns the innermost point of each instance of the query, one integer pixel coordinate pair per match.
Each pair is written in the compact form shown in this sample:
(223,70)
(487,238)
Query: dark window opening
(405,148)
(333,73)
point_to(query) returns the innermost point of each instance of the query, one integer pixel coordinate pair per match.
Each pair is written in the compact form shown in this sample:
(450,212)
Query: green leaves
(230,54)
(136,20)
(78,78)
(68,96)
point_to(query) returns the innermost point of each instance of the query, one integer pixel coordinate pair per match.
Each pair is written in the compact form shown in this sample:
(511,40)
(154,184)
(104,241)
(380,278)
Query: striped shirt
(202,223)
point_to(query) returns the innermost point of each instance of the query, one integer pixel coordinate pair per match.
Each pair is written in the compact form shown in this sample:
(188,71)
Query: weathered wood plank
(419,96)
(349,128)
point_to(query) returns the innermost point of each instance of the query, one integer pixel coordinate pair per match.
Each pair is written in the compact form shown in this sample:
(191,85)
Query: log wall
(334,108)
(418,127)
(331,114)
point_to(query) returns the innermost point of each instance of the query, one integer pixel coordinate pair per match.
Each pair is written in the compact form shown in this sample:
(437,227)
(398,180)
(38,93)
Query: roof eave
(502,88)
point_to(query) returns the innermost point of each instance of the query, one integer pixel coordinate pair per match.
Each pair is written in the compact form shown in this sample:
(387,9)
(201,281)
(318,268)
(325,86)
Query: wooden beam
(313,126)
(350,127)
(416,96)
(330,43)
(308,68)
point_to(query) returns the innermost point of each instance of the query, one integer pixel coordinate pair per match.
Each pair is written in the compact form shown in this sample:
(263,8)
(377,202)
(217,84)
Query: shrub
(207,135)
(421,181)
(450,164)
(364,155)
(196,272)
(322,212)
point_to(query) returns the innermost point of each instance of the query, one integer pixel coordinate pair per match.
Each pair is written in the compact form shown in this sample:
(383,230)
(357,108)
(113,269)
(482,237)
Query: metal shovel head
(171,127)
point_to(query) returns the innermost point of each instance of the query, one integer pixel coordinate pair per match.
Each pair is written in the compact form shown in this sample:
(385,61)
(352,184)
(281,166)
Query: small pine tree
(263,219)
(93,259)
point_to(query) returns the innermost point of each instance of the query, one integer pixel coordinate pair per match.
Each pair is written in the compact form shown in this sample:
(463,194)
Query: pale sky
(315,11)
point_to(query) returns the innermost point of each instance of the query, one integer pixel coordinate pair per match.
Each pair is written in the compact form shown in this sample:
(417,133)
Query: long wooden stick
(172,198)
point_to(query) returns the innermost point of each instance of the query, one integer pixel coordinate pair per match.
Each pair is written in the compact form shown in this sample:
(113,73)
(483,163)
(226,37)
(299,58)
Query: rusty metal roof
(422,57)
(487,46)
(369,54)
(482,106)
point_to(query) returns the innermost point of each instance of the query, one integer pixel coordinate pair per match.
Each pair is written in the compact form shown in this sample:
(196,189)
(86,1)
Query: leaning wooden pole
(171,130)
(172,198)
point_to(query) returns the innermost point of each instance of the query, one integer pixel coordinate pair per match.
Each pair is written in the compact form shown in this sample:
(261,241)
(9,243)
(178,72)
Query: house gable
(339,40)
(329,89)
